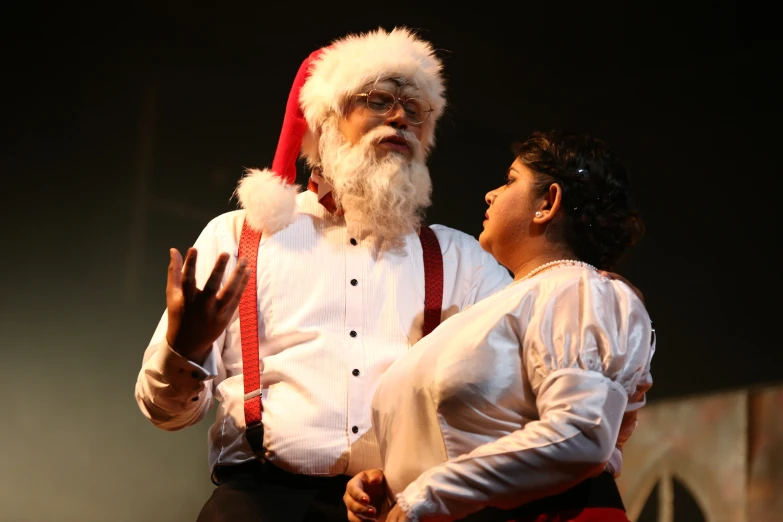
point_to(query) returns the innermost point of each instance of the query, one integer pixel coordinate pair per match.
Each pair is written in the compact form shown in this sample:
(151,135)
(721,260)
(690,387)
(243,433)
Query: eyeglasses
(382,102)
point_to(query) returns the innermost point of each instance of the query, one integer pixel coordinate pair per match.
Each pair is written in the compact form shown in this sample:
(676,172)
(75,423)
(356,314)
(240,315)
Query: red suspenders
(248,327)
(248,321)
(433,279)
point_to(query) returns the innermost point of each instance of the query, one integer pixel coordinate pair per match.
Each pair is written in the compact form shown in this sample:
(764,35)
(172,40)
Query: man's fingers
(174,280)
(231,293)
(212,285)
(189,273)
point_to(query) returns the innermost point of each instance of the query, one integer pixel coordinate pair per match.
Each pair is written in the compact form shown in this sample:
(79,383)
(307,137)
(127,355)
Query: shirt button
(353,241)
(353,333)
(355,429)
(354,282)
(355,372)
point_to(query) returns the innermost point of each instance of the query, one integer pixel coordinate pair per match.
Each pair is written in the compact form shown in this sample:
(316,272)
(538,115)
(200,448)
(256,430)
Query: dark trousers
(256,492)
(260,492)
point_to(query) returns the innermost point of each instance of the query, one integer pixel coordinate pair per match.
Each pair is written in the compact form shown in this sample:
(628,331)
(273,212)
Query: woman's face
(511,210)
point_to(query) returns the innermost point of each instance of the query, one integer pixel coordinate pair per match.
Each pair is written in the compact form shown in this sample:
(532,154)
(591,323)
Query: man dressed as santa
(289,310)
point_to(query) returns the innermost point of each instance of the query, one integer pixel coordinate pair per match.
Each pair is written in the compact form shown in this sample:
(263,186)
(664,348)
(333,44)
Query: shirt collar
(323,190)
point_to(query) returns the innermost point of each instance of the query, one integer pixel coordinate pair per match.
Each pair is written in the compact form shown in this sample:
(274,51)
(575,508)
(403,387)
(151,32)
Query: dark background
(126,128)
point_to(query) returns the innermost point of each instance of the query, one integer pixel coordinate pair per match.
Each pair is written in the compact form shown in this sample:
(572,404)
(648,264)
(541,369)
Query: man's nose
(397,117)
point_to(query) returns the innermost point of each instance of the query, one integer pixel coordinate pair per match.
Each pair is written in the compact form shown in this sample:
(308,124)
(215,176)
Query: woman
(518,408)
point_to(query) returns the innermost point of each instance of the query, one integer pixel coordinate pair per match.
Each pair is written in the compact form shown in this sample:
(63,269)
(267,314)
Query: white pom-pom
(270,202)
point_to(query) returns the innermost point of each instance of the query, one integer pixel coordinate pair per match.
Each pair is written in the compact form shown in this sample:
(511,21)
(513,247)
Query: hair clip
(583,173)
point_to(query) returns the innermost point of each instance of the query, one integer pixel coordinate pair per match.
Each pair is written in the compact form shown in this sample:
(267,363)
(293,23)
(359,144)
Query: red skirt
(590,514)
(593,500)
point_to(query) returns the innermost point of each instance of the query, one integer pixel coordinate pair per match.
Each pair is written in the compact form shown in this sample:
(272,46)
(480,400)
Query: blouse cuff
(412,517)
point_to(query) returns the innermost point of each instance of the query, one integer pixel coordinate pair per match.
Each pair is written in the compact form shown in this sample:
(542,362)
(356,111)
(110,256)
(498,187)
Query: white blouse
(521,396)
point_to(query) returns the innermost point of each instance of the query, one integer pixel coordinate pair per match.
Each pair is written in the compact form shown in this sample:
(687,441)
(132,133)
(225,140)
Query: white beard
(387,196)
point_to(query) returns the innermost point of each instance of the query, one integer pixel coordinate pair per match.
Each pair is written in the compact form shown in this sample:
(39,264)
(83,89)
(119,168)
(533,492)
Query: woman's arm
(581,412)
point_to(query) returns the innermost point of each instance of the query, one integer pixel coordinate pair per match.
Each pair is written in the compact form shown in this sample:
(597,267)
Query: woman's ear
(549,205)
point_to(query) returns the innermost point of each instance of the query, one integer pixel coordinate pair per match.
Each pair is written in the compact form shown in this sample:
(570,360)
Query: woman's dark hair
(600,219)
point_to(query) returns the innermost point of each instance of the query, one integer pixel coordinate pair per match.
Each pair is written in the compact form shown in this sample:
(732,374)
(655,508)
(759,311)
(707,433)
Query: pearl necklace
(551,264)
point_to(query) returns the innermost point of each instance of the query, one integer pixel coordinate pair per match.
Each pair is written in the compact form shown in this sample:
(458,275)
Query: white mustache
(381,133)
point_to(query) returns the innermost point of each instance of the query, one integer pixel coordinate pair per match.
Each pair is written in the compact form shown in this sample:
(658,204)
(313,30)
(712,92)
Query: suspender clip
(255,437)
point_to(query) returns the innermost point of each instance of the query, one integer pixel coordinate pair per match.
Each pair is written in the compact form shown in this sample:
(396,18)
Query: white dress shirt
(333,316)
(521,396)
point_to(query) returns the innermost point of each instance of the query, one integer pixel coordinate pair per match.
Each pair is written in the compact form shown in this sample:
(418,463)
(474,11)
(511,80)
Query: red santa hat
(327,78)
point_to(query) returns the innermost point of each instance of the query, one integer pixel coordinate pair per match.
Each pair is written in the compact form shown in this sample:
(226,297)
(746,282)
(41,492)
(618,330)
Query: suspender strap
(248,321)
(433,279)
(248,326)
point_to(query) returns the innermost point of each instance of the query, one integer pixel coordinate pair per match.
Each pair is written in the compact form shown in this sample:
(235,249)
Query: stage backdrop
(711,458)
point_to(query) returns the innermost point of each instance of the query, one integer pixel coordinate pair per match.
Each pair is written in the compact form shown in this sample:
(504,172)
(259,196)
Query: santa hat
(324,81)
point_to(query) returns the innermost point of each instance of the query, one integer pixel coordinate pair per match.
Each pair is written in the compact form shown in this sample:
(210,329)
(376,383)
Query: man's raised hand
(197,317)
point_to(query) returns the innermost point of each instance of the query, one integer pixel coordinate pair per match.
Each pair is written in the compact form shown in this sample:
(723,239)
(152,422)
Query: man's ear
(309,147)
(550,204)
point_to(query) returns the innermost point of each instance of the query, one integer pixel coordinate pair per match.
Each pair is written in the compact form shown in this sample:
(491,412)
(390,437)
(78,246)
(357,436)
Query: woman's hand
(397,515)
(365,495)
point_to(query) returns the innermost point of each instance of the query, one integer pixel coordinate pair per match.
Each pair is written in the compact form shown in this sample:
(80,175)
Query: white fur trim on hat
(351,63)
(269,201)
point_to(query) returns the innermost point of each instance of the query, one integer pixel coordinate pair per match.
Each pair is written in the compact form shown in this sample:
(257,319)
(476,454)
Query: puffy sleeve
(590,324)
(586,346)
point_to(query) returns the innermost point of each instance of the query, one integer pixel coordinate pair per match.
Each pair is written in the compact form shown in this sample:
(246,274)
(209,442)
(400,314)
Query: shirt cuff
(179,371)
